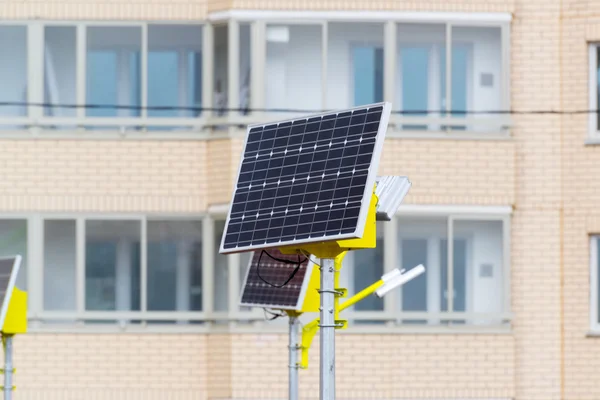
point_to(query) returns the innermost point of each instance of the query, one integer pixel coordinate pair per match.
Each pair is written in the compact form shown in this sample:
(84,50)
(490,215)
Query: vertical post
(327,326)
(8,367)
(293,359)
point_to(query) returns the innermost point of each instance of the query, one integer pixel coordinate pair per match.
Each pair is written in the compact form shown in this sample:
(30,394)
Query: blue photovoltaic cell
(303,180)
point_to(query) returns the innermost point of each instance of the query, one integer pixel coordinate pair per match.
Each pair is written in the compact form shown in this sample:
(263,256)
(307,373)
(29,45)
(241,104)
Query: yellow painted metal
(308,333)
(310,330)
(337,265)
(336,250)
(16,316)
(311,299)
(361,295)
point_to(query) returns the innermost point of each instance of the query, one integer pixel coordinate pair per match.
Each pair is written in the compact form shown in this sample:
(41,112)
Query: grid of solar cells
(258,293)
(303,180)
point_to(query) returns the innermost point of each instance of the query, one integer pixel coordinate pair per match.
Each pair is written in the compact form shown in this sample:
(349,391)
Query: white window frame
(235,317)
(36,121)
(594,289)
(260,19)
(593,128)
(451,214)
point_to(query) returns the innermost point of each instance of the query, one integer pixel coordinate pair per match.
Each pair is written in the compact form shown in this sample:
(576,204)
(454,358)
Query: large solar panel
(306,180)
(275,292)
(9,268)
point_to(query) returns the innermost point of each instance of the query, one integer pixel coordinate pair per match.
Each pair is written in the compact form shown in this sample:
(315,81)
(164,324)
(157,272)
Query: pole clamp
(338,293)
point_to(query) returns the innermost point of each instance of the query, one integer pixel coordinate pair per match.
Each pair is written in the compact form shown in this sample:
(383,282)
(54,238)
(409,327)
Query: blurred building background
(119,211)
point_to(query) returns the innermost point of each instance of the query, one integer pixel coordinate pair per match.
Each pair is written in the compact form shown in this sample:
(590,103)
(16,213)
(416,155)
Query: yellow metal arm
(310,330)
(366,292)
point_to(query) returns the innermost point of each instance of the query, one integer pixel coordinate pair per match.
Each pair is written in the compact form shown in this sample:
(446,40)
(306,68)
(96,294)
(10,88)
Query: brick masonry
(545,171)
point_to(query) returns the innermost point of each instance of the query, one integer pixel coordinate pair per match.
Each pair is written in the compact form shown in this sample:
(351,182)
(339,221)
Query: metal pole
(8,367)
(293,347)
(327,336)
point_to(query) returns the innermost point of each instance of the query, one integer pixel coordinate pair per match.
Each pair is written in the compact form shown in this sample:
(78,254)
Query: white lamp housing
(390,192)
(399,279)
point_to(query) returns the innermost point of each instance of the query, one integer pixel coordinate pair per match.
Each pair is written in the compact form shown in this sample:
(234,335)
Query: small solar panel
(9,268)
(258,293)
(306,180)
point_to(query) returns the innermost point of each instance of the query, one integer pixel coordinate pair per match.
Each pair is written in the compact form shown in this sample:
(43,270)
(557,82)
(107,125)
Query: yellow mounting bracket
(310,330)
(16,316)
(336,250)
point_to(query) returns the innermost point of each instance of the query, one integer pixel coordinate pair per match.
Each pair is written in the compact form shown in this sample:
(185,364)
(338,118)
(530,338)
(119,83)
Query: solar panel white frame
(301,296)
(11,285)
(369,186)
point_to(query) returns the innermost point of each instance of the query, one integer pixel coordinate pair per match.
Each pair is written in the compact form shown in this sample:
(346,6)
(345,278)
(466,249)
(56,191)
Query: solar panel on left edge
(259,293)
(8,277)
(306,180)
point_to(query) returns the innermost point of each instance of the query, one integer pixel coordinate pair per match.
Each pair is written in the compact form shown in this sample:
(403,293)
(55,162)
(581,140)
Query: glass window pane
(60,257)
(598,277)
(419,79)
(598,86)
(60,64)
(112,265)
(113,70)
(476,71)
(419,242)
(13,241)
(221,38)
(221,272)
(174,265)
(174,69)
(354,64)
(244,265)
(293,67)
(13,70)
(245,77)
(368,269)
(459,276)
(479,277)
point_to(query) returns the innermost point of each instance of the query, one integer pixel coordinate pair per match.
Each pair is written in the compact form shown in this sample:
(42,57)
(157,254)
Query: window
(60,260)
(13,70)
(174,70)
(594,88)
(595,283)
(60,70)
(293,73)
(114,84)
(112,265)
(93,265)
(430,86)
(472,280)
(354,64)
(113,71)
(13,241)
(174,265)
(221,271)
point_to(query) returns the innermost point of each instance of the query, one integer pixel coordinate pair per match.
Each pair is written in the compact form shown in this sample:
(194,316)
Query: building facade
(118,206)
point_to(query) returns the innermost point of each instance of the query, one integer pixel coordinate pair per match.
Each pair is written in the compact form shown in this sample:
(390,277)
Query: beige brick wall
(381,366)
(198,9)
(187,176)
(581,25)
(453,172)
(111,366)
(396,5)
(103,176)
(165,10)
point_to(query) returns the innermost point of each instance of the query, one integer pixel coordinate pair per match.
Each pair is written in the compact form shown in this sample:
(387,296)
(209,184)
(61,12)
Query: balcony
(148,80)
